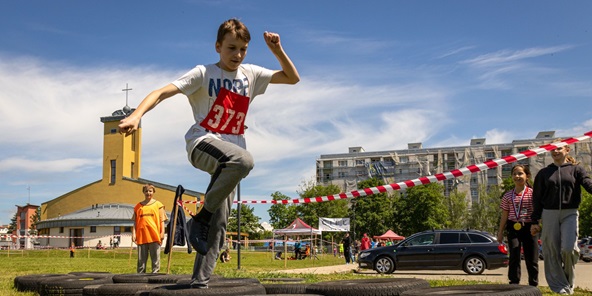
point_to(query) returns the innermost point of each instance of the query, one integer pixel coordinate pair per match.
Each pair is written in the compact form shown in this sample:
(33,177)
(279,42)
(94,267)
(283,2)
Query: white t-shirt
(201,85)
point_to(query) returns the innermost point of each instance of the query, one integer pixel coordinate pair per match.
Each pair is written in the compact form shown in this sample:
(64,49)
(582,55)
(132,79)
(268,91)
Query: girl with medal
(516,208)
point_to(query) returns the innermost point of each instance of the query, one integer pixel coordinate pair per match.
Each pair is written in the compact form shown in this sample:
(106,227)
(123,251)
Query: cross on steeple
(126,90)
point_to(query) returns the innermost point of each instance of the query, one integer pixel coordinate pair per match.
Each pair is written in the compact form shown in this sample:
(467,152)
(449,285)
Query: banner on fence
(333,224)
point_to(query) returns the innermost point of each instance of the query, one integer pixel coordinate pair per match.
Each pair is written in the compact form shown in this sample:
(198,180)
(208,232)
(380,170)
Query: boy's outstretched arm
(288,74)
(130,124)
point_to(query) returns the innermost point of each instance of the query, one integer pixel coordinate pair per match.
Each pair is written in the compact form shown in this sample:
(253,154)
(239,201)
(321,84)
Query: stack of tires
(107,284)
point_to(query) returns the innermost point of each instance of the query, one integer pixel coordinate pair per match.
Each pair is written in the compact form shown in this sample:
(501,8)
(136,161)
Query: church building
(102,210)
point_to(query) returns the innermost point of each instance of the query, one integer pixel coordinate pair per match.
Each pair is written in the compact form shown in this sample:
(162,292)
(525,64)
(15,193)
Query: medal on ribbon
(517,226)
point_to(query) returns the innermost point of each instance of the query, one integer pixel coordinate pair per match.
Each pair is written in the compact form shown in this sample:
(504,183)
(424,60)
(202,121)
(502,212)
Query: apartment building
(347,169)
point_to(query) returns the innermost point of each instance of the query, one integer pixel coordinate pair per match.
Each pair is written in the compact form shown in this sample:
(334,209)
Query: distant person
(365,242)
(557,194)
(148,231)
(225,256)
(100,246)
(220,94)
(297,249)
(517,208)
(346,241)
(72,250)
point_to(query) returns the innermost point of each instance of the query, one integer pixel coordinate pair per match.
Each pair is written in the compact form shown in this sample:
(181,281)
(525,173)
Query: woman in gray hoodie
(556,198)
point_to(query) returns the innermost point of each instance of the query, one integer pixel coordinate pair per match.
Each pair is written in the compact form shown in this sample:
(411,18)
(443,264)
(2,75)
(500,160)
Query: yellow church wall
(125,187)
(124,191)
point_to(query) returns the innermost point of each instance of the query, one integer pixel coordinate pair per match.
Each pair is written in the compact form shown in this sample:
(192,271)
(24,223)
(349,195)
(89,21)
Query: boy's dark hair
(234,27)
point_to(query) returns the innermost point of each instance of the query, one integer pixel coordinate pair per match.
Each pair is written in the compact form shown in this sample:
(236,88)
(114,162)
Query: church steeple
(121,154)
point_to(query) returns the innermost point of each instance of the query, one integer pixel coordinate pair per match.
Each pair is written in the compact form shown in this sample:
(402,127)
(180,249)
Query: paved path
(583,274)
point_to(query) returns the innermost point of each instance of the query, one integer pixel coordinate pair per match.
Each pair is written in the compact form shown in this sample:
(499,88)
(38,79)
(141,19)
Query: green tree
(281,215)
(249,222)
(374,213)
(310,212)
(421,208)
(486,212)
(12,225)
(585,214)
(458,209)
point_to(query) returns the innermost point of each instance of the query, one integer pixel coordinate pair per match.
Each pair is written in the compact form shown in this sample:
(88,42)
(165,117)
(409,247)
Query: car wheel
(474,265)
(384,264)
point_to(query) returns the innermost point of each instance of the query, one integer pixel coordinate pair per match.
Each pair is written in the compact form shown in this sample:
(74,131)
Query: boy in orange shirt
(148,232)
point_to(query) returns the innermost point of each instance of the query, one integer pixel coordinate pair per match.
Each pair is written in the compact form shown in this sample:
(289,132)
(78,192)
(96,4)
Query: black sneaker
(198,286)
(198,235)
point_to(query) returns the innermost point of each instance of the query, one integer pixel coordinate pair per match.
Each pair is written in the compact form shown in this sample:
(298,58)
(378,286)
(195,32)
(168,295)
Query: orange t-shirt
(148,221)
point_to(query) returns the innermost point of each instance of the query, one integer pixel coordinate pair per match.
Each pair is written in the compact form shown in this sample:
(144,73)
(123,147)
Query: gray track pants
(203,267)
(560,250)
(228,164)
(152,249)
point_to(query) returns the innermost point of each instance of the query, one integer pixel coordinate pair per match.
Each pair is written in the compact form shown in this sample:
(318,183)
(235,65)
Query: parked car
(585,246)
(470,250)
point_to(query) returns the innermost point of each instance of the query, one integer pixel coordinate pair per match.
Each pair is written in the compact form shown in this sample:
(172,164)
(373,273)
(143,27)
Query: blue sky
(377,74)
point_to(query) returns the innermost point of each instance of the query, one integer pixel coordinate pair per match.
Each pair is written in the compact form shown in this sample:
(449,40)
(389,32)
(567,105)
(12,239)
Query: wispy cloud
(47,166)
(506,56)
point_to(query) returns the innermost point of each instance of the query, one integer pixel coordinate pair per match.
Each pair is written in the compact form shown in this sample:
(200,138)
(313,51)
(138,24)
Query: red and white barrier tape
(490,164)
(58,236)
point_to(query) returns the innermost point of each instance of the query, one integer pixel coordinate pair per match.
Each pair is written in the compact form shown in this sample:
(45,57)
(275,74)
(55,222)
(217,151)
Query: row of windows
(116,229)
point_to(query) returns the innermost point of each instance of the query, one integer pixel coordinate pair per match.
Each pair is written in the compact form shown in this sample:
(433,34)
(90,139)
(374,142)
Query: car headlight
(364,255)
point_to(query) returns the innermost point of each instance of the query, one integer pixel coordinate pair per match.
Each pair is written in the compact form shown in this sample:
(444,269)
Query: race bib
(227,115)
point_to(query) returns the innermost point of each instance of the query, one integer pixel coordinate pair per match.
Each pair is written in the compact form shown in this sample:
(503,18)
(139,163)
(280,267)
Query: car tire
(474,265)
(169,279)
(285,288)
(485,289)
(283,280)
(384,264)
(127,289)
(30,283)
(69,284)
(91,273)
(134,277)
(362,287)
(213,289)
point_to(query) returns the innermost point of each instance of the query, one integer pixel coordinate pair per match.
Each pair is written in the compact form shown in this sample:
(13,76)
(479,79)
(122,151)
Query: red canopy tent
(389,234)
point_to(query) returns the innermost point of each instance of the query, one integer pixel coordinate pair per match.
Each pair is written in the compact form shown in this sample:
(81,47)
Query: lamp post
(353,207)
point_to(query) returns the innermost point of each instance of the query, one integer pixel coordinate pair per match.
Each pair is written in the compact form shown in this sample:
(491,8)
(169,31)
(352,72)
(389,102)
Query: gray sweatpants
(203,267)
(152,249)
(559,237)
(228,164)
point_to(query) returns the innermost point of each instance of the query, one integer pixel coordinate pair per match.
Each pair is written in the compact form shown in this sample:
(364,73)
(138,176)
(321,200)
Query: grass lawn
(253,264)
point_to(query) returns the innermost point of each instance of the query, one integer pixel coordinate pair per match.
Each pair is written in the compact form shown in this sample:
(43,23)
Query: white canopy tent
(296,228)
